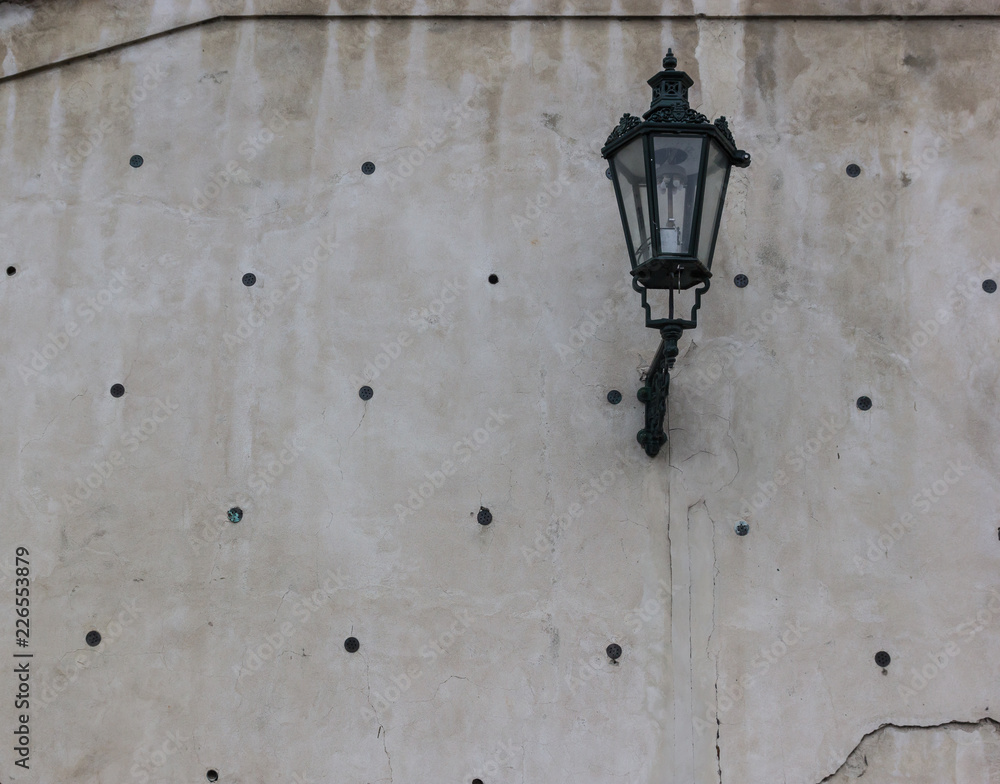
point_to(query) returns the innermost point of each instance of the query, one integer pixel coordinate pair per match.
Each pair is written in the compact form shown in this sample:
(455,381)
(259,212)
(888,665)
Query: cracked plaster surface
(483,648)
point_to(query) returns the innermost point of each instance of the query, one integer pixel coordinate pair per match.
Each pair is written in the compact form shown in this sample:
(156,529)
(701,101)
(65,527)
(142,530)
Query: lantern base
(657,389)
(668,273)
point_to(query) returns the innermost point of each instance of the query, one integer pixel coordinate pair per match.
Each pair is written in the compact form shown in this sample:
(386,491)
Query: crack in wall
(851,765)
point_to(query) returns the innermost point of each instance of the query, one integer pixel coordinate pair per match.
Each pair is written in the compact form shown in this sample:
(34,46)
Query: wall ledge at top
(40,34)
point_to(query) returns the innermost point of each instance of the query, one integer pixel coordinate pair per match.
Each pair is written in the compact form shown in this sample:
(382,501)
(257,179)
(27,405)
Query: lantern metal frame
(670,115)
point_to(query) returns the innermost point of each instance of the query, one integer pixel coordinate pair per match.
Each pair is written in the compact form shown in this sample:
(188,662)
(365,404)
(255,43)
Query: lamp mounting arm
(657,389)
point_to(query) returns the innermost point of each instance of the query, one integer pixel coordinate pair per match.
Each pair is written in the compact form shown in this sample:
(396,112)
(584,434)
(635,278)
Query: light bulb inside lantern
(672,188)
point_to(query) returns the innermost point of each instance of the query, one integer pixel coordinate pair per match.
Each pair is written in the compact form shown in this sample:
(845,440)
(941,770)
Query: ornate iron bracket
(654,394)
(657,390)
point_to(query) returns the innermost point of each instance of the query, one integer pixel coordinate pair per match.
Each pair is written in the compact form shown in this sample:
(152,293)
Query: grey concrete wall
(482,648)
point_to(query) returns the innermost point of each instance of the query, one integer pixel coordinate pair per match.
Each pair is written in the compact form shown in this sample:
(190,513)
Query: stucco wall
(482,648)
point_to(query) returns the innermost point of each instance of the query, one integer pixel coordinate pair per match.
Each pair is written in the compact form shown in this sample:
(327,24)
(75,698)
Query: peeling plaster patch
(952,751)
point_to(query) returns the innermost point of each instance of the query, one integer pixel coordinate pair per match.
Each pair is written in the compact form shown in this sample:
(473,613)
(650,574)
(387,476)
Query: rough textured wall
(482,647)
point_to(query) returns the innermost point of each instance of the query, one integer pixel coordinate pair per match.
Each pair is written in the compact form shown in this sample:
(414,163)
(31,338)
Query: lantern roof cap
(670,86)
(670,107)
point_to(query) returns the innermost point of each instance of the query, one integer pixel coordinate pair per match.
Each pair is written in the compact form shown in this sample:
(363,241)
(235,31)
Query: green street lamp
(670,171)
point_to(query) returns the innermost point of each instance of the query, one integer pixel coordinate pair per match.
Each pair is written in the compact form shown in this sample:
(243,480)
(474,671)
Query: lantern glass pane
(677,160)
(630,168)
(715,186)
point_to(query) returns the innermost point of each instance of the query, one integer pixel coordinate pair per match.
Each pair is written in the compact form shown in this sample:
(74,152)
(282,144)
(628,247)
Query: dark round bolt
(235,514)
(614,651)
(93,639)
(742,528)
(135,161)
(212,775)
(864,402)
(368,167)
(882,659)
(485,516)
(477,781)
(614,397)
(117,390)
(249,279)
(741,281)
(494,279)
(351,644)
(607,173)
(853,170)
(989,285)
(365,393)
(12,270)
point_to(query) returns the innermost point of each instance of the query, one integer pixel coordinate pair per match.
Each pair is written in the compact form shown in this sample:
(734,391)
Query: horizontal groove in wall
(752,18)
